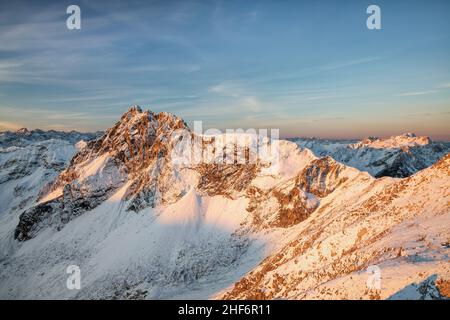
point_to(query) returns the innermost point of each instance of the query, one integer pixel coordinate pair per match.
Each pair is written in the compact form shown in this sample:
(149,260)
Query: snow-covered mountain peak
(134,140)
(23,131)
(136,115)
(133,153)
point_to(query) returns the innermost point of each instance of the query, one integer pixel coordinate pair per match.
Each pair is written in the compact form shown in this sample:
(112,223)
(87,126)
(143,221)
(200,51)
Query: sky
(308,68)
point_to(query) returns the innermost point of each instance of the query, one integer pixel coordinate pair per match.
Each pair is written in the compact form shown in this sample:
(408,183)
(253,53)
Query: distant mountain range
(140,226)
(398,156)
(24,137)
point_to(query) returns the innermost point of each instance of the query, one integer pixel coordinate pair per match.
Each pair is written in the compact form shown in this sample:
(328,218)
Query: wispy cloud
(251,103)
(350,63)
(326,97)
(437,89)
(241,99)
(417,93)
(226,89)
(444,86)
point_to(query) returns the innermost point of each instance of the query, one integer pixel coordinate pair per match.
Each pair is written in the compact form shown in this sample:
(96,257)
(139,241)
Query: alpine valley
(140,226)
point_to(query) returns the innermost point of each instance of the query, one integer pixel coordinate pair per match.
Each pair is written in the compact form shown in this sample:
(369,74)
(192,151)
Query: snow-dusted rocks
(398,226)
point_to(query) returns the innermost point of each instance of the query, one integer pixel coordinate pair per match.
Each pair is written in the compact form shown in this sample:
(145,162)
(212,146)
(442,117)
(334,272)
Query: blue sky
(309,68)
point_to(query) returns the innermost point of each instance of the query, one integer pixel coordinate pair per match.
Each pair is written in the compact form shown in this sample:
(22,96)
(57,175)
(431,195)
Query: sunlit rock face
(128,151)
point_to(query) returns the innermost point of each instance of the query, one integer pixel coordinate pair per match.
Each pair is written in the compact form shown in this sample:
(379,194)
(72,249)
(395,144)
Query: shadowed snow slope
(29,162)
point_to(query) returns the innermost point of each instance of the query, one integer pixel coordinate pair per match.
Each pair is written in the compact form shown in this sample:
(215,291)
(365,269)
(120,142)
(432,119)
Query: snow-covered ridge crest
(137,154)
(24,137)
(404,140)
